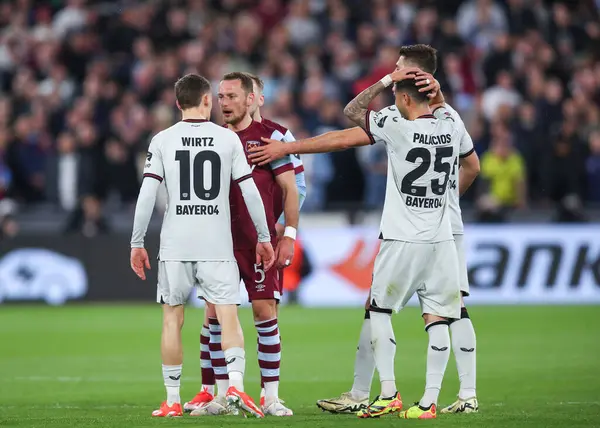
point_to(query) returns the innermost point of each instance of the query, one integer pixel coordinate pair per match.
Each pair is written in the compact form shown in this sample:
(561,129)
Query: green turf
(81,366)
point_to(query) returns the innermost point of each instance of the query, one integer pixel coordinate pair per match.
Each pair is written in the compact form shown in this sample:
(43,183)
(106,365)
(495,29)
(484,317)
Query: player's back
(198,160)
(421,154)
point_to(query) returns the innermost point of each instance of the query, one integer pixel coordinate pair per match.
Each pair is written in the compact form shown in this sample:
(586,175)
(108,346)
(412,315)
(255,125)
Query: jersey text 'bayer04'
(197,161)
(421,154)
(465,148)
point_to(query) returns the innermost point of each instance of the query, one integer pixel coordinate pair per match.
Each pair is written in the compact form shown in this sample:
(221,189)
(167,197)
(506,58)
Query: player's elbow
(350,112)
(340,142)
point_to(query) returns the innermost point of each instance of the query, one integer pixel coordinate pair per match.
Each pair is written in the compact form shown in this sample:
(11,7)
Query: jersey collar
(194,120)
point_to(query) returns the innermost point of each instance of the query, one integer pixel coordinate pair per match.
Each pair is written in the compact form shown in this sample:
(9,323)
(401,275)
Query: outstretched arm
(328,142)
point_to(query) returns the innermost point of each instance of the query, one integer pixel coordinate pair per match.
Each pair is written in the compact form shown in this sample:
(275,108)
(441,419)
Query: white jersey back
(465,149)
(421,154)
(197,160)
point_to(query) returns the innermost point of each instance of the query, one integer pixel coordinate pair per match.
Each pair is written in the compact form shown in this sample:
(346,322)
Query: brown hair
(423,56)
(244,78)
(190,89)
(409,87)
(259,82)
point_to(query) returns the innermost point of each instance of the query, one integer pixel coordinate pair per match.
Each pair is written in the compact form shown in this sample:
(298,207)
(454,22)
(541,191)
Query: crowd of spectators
(86,84)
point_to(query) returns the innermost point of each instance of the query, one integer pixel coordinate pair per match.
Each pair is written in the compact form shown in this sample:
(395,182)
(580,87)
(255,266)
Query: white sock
(172,378)
(438,353)
(236,365)
(464,346)
(271,390)
(222,386)
(364,362)
(384,351)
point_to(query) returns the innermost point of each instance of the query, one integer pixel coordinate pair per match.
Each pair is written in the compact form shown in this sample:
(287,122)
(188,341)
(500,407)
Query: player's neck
(197,113)
(256,116)
(419,111)
(242,124)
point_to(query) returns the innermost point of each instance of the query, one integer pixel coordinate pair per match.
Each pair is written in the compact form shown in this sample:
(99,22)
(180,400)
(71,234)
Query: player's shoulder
(275,125)
(385,117)
(270,130)
(447,112)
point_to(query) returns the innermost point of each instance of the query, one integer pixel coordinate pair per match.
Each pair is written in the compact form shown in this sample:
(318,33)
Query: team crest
(252,145)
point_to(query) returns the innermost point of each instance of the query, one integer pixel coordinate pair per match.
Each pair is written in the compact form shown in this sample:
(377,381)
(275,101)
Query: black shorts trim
(428,326)
(375,308)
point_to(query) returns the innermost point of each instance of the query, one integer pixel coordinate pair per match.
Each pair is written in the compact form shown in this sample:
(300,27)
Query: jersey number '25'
(200,183)
(437,187)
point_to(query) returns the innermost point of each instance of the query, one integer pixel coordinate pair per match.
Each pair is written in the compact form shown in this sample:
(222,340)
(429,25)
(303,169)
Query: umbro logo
(435,348)
(175,377)
(467,349)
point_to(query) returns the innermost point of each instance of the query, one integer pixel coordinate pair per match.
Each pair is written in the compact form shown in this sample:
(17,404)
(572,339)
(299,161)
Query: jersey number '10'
(438,187)
(200,161)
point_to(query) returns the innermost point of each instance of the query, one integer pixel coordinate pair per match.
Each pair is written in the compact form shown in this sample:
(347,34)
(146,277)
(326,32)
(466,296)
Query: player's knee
(430,319)
(210,311)
(264,309)
(173,317)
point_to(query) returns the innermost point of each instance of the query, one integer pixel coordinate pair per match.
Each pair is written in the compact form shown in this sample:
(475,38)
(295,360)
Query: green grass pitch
(84,365)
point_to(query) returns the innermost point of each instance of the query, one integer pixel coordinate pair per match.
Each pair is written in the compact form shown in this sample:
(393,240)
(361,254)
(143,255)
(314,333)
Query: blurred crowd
(85,84)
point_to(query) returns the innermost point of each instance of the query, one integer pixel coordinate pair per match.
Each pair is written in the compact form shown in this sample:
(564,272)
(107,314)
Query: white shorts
(430,270)
(217,282)
(463,274)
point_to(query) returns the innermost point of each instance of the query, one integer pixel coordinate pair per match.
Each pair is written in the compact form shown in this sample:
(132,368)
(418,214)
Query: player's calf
(438,354)
(464,344)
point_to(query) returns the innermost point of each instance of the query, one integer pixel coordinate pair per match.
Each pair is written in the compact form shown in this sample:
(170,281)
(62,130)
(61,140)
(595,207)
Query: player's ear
(261,100)
(207,99)
(250,98)
(177,104)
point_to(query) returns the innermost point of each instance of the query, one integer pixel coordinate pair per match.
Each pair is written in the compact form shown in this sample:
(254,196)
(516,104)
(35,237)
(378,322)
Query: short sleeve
(288,137)
(240,170)
(282,165)
(154,167)
(379,124)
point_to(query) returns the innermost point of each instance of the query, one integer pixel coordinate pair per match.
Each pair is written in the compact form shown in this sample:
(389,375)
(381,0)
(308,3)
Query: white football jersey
(421,154)
(465,149)
(197,161)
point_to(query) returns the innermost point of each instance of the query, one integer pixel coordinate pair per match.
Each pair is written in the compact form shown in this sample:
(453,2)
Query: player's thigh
(463,275)
(440,293)
(398,272)
(218,282)
(175,282)
(259,284)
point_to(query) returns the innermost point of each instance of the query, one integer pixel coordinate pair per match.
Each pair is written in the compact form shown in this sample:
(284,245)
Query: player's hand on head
(404,73)
(265,255)
(427,83)
(139,260)
(272,150)
(285,252)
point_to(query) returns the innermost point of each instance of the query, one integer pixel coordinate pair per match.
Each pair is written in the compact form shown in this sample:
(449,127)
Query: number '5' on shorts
(259,284)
